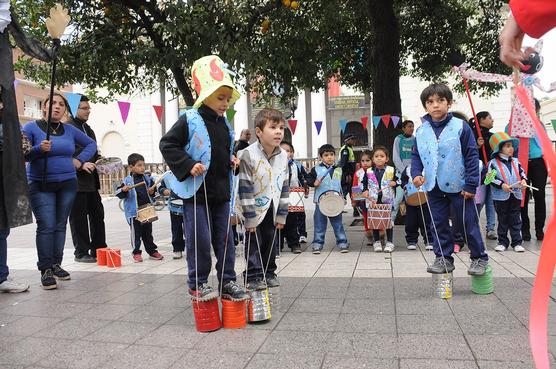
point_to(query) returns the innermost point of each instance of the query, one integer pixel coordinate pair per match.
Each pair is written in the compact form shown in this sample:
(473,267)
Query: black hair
(439,89)
(480,115)
(60,96)
(537,105)
(380,148)
(326,148)
(132,159)
(84,98)
(368,153)
(289,144)
(406,122)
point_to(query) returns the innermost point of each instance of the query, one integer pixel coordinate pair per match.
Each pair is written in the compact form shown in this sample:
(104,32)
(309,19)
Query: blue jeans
(320,221)
(4,271)
(490,210)
(51,209)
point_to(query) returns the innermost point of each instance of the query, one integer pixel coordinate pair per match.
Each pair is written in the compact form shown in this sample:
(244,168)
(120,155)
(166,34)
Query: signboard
(346,102)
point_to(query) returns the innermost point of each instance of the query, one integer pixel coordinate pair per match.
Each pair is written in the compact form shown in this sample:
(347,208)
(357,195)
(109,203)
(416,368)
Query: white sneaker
(500,248)
(10,286)
(177,255)
(429,247)
(302,239)
(517,248)
(412,246)
(377,246)
(389,247)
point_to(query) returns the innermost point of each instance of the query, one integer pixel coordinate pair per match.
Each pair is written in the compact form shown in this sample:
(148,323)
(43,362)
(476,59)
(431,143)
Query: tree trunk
(385,68)
(179,77)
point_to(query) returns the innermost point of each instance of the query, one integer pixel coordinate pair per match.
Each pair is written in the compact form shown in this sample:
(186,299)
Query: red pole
(476,121)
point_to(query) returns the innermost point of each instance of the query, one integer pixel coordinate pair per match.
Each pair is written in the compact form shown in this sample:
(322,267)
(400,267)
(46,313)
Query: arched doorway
(113,144)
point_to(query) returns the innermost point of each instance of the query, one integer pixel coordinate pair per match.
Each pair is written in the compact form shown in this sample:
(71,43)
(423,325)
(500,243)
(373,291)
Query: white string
(226,239)
(437,238)
(423,218)
(195,235)
(208,224)
(271,250)
(261,257)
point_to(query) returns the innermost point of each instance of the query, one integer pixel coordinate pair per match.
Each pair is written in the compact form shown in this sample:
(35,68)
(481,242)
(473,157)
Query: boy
(446,150)
(326,177)
(175,206)
(263,197)
(507,190)
(198,150)
(134,198)
(403,147)
(417,218)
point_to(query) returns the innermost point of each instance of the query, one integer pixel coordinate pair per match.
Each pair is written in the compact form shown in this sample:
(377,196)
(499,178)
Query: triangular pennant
(386,119)
(73,102)
(554,124)
(230,113)
(343,124)
(318,126)
(124,109)
(395,120)
(376,121)
(293,124)
(158,111)
(365,121)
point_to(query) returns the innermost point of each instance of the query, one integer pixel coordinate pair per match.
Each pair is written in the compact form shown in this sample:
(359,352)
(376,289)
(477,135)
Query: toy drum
(357,194)
(331,203)
(109,165)
(259,306)
(146,214)
(415,196)
(296,200)
(379,216)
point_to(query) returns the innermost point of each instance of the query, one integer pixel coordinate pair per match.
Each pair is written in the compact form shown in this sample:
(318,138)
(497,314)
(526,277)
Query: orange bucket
(101,256)
(234,314)
(207,315)
(113,258)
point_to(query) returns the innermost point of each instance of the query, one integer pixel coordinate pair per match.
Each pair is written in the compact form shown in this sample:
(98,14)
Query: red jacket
(534,17)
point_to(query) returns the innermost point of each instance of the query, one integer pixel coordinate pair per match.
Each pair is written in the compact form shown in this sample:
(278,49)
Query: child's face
(272,133)
(288,150)
(366,162)
(437,107)
(487,122)
(380,158)
(219,100)
(328,158)
(138,168)
(408,129)
(507,149)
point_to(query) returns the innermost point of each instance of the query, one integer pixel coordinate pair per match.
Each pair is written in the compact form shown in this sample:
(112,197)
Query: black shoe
(47,280)
(440,266)
(540,236)
(526,236)
(60,273)
(256,285)
(232,291)
(272,282)
(85,259)
(296,249)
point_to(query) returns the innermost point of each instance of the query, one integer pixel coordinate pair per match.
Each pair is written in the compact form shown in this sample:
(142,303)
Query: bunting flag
(124,109)
(364,121)
(158,110)
(318,126)
(395,120)
(292,123)
(376,120)
(386,120)
(230,113)
(73,102)
(343,124)
(554,124)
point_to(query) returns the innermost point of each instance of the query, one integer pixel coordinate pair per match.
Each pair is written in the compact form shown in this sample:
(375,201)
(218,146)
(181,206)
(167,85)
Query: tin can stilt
(443,285)
(483,284)
(274,298)
(259,306)
(207,315)
(234,314)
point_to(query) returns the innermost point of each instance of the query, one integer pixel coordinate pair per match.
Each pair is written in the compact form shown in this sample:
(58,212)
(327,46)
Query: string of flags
(386,119)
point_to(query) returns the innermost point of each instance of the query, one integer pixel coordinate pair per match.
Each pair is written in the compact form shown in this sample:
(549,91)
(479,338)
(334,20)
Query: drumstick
(327,173)
(142,183)
(159,179)
(526,185)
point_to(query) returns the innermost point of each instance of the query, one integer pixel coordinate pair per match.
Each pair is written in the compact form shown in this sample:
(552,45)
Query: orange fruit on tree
(294,5)
(286,3)
(265,25)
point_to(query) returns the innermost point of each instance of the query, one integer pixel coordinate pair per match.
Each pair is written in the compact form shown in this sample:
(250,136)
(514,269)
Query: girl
(363,172)
(380,189)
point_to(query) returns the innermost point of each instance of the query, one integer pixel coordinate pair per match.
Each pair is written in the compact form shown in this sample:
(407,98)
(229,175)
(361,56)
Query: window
(32,107)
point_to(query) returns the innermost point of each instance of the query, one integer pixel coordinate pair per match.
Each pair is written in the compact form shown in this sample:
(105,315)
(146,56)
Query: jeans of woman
(51,207)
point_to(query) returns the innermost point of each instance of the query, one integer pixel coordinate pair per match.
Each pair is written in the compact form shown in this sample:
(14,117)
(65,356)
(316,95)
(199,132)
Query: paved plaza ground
(355,310)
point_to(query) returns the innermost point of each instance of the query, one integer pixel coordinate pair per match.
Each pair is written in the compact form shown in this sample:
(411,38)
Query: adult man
(87,212)
(347,163)
(243,141)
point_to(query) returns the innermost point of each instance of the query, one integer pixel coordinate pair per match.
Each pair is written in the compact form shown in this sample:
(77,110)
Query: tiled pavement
(356,310)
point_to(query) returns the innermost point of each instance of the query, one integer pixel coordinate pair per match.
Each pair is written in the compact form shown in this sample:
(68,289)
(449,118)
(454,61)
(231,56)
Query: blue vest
(198,148)
(406,146)
(442,159)
(327,184)
(499,194)
(130,202)
(171,207)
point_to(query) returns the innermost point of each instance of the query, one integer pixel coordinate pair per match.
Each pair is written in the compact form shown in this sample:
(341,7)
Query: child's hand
(317,183)
(235,162)
(279,226)
(506,188)
(166,192)
(150,190)
(392,184)
(467,195)
(523,183)
(251,230)
(197,170)
(125,188)
(480,141)
(419,181)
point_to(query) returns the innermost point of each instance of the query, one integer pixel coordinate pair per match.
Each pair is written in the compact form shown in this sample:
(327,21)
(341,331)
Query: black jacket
(86,182)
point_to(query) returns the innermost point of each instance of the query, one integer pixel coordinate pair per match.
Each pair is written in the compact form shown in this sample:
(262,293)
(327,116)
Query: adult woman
(52,193)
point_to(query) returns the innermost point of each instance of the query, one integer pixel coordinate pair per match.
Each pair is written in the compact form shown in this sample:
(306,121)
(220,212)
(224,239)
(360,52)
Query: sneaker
(277,256)
(500,248)
(491,235)
(10,286)
(377,246)
(296,249)
(85,259)
(440,266)
(177,255)
(272,282)
(302,239)
(138,258)
(457,248)
(232,291)
(204,292)
(389,247)
(317,249)
(477,267)
(344,249)
(60,273)
(412,246)
(47,280)
(519,248)
(256,285)
(156,256)
(429,247)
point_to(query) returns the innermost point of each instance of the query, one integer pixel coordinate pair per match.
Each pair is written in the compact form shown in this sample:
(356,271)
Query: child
(403,146)
(175,206)
(446,151)
(264,197)
(507,190)
(326,177)
(296,178)
(199,151)
(385,182)
(135,198)
(365,165)
(417,218)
